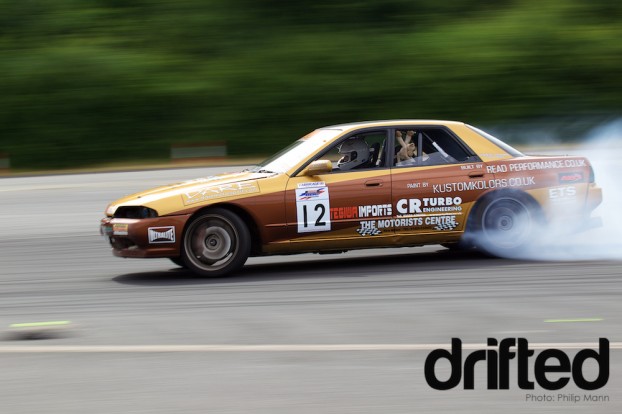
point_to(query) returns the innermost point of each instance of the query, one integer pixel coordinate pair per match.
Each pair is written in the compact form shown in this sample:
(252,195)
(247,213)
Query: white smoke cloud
(603,147)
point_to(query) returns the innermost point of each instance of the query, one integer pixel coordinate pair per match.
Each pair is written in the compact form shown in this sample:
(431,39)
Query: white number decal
(312,209)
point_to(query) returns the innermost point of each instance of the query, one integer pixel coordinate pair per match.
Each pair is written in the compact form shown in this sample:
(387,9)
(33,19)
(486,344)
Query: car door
(433,191)
(339,209)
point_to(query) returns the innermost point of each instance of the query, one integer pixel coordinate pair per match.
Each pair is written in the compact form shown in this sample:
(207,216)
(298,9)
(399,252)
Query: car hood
(174,197)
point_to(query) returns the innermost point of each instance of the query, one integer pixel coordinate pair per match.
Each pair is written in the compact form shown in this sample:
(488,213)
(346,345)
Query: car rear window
(505,147)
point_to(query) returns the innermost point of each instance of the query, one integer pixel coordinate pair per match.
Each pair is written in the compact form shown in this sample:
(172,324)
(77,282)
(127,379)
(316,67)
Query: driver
(355,152)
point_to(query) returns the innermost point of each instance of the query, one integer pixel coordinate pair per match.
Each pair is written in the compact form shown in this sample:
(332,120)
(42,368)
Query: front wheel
(506,225)
(215,243)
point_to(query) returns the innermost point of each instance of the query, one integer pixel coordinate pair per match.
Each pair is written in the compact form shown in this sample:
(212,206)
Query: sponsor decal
(439,223)
(471,166)
(497,356)
(368,232)
(483,184)
(376,210)
(342,213)
(570,178)
(400,222)
(546,165)
(428,205)
(313,211)
(442,223)
(120,229)
(412,214)
(312,184)
(417,185)
(494,169)
(220,191)
(165,234)
(310,193)
(563,194)
(368,228)
(208,179)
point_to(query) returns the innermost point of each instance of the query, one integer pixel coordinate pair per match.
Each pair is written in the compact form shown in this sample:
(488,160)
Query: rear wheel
(506,224)
(215,243)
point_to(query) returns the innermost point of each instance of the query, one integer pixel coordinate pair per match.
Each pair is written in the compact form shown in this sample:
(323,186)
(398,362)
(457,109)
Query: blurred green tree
(95,82)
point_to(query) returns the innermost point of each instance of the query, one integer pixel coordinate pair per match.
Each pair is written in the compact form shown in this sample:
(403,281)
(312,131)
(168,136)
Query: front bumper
(146,238)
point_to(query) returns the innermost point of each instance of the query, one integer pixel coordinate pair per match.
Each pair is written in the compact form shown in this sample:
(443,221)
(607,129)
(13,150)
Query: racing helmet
(355,152)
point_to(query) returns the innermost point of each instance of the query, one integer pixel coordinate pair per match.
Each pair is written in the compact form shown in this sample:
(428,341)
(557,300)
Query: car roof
(390,122)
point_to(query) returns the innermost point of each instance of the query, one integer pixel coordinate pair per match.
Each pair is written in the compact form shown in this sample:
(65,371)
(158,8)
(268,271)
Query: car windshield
(287,158)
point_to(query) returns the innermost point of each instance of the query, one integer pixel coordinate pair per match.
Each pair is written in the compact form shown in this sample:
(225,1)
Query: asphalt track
(304,334)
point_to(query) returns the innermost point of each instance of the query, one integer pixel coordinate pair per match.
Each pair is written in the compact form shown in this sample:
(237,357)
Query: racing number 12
(319,221)
(312,207)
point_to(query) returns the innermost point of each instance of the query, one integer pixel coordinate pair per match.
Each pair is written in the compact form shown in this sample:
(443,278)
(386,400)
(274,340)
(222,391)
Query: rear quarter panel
(560,185)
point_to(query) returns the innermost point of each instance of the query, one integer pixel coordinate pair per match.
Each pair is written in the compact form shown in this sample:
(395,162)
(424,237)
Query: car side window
(358,152)
(428,146)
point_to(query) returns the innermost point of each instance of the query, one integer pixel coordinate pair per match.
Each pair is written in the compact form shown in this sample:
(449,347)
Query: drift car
(356,186)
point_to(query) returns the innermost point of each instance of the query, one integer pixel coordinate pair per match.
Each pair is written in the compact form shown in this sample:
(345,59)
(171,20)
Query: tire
(178,261)
(506,224)
(215,243)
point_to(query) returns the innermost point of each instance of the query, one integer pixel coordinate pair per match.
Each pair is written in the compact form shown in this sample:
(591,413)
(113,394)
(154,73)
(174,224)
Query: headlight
(135,212)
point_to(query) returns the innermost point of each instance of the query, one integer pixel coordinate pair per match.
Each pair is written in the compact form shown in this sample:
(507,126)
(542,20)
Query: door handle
(476,174)
(373,183)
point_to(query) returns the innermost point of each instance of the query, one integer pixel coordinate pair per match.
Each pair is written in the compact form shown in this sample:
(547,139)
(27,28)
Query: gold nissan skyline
(360,185)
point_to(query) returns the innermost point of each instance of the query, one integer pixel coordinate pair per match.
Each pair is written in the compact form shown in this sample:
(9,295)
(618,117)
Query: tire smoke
(603,147)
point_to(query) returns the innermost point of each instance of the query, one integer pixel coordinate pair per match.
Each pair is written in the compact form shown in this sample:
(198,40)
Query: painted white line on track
(25,349)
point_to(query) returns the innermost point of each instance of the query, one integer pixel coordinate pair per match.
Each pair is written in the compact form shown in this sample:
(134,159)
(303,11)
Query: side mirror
(319,167)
